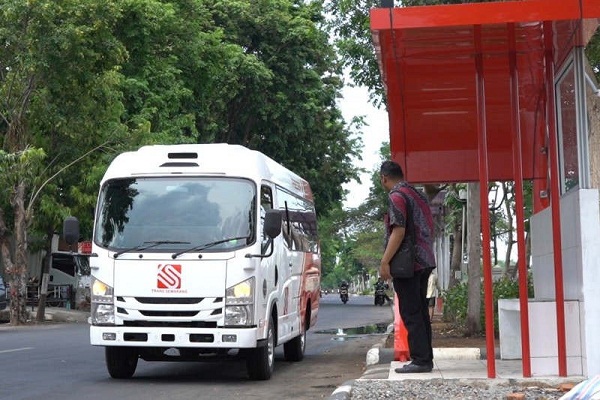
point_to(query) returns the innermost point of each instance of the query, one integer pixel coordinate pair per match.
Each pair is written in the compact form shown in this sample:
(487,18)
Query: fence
(58,295)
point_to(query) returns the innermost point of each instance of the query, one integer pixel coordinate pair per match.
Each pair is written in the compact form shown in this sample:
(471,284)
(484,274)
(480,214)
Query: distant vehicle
(69,278)
(344,294)
(3,298)
(202,251)
(380,293)
(70,269)
(379,296)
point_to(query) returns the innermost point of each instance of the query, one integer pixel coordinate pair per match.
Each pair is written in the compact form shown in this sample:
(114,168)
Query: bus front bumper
(225,338)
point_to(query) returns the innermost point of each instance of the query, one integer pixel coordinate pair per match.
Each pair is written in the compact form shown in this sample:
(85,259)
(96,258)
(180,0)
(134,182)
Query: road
(56,362)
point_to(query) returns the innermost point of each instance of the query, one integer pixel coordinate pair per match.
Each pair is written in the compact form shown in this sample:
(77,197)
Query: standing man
(432,293)
(409,214)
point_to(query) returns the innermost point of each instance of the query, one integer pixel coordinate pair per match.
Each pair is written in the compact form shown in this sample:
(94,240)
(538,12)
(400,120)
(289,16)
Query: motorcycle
(379,296)
(344,295)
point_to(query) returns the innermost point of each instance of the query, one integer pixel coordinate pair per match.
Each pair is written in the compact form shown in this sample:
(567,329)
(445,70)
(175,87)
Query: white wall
(580,231)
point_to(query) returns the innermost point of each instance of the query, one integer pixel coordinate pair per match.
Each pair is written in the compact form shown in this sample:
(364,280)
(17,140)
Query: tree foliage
(108,76)
(593,53)
(350,29)
(359,234)
(57,86)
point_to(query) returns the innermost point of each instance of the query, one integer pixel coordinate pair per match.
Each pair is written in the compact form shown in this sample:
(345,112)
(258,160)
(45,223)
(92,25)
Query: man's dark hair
(391,169)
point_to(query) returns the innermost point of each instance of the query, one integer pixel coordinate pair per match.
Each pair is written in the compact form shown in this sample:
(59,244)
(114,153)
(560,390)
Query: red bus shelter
(471,97)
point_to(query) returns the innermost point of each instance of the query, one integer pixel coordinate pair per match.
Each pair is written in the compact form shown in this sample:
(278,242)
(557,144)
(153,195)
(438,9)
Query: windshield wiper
(147,245)
(207,245)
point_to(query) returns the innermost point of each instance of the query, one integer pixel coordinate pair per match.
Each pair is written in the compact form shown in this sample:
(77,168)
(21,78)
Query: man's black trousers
(412,296)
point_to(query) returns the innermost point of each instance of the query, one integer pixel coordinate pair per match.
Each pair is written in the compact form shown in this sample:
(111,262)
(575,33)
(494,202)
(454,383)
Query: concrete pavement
(52,314)
(469,365)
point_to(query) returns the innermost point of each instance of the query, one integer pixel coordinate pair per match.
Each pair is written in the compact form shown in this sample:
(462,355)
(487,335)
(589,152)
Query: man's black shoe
(413,369)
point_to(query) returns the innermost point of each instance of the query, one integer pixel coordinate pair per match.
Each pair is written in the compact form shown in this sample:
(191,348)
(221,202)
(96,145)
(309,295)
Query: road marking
(13,350)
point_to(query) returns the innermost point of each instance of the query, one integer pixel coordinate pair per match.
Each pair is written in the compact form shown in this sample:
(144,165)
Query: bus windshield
(181,212)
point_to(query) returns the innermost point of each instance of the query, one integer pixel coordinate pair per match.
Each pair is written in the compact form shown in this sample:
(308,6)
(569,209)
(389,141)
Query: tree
(358,234)
(509,189)
(331,242)
(498,223)
(18,171)
(592,51)
(505,228)
(261,74)
(455,204)
(283,99)
(57,74)
(78,74)
(350,27)
(474,263)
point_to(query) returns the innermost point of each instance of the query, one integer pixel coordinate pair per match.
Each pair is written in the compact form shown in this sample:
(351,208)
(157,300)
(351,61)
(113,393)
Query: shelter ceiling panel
(437,126)
(427,59)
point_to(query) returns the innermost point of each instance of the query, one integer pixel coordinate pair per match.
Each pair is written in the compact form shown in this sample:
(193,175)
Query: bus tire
(294,349)
(261,361)
(121,362)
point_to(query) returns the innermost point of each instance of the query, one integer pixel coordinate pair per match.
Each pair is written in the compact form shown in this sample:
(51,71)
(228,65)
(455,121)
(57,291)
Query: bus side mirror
(272,224)
(71,230)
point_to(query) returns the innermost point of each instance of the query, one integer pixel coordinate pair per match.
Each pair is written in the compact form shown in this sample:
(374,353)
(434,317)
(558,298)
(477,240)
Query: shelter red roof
(427,58)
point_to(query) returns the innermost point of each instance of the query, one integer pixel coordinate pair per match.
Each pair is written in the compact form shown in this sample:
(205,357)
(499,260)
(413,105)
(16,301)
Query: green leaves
(593,53)
(22,166)
(350,28)
(114,75)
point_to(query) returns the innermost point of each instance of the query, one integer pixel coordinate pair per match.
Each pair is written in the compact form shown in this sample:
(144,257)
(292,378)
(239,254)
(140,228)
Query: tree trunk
(41,311)
(456,258)
(474,267)
(18,275)
(7,258)
(509,219)
(527,249)
(494,236)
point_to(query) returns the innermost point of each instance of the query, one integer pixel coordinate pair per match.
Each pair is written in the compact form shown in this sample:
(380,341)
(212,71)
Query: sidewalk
(465,365)
(52,314)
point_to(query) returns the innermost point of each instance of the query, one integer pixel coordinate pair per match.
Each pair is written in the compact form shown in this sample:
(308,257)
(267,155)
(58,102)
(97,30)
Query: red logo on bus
(169,276)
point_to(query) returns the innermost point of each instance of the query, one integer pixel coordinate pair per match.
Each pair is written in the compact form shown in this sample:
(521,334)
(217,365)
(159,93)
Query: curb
(52,314)
(457,353)
(343,391)
(373,359)
(379,357)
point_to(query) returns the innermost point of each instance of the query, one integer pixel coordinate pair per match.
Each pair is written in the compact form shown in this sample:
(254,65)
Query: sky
(355,102)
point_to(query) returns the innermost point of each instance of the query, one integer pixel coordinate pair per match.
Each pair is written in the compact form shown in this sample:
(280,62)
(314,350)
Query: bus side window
(266,203)
(266,197)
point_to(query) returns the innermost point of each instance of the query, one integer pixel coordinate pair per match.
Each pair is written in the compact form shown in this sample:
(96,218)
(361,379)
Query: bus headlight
(239,304)
(102,310)
(103,314)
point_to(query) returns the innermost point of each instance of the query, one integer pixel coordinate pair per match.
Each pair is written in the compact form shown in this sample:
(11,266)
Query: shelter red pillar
(555,200)
(518,178)
(483,194)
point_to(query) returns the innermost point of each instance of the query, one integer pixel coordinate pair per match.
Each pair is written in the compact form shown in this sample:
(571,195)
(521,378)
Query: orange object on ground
(401,352)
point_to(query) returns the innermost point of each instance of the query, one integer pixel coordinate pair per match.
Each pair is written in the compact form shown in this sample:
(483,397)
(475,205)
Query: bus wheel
(121,362)
(260,361)
(294,349)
